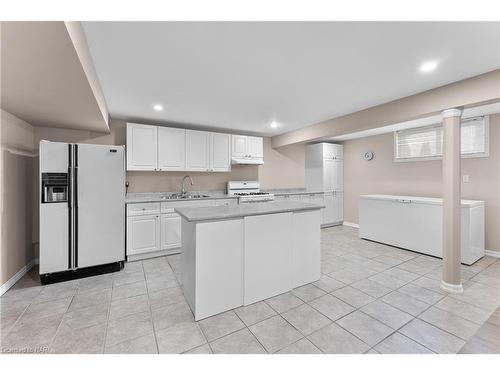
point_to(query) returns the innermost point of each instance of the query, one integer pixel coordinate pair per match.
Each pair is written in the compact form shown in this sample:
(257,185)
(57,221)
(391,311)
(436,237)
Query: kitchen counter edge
(243,210)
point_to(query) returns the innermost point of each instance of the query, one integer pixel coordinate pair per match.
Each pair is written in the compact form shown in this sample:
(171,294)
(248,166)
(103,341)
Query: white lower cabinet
(154,229)
(170,231)
(338,199)
(143,234)
(334,208)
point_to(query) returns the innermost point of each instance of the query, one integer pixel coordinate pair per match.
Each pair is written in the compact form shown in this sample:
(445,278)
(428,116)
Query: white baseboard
(349,224)
(492,253)
(14,279)
(153,254)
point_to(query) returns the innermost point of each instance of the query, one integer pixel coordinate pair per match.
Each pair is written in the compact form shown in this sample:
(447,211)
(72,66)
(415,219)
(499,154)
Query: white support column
(451,201)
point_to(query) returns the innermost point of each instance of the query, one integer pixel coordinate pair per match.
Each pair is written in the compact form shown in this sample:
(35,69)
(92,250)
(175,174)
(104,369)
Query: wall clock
(368,155)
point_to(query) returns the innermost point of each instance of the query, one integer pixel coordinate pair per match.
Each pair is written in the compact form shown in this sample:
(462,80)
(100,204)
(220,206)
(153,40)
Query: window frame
(485,154)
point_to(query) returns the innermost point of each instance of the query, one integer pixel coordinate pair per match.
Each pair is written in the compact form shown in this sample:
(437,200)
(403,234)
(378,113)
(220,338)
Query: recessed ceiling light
(428,66)
(274,125)
(158,107)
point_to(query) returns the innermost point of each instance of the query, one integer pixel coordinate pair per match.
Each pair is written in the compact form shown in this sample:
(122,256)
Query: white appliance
(82,210)
(415,223)
(325,173)
(248,191)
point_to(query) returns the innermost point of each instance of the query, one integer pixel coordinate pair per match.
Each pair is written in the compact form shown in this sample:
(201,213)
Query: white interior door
(171,149)
(100,182)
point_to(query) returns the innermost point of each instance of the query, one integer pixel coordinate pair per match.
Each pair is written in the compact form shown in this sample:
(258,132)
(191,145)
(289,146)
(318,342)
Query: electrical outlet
(465,178)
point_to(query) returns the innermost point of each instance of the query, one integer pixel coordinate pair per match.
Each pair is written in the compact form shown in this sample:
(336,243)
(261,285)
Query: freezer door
(55,218)
(100,193)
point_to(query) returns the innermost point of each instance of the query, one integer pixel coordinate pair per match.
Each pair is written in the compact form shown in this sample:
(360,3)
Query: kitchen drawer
(169,206)
(226,202)
(136,209)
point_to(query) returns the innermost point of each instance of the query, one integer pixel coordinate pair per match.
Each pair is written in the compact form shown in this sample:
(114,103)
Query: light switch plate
(465,178)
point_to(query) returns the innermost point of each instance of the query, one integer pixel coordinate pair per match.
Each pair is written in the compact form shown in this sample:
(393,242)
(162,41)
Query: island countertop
(242,210)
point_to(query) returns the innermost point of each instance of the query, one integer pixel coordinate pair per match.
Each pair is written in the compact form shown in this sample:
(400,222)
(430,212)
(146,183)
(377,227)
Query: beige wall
(16,196)
(423,178)
(283,168)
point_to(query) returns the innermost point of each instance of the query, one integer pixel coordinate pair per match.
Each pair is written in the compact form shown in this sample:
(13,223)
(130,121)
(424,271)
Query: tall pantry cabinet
(325,172)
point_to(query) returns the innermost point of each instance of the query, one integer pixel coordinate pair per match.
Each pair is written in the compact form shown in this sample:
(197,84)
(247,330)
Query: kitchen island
(237,255)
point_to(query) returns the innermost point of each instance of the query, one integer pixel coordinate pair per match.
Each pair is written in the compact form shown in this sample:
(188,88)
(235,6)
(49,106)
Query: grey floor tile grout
(408,337)
(458,316)
(248,327)
(59,326)
(105,341)
(150,309)
(435,326)
(334,242)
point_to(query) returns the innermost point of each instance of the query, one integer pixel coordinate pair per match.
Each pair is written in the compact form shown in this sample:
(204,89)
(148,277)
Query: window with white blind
(426,143)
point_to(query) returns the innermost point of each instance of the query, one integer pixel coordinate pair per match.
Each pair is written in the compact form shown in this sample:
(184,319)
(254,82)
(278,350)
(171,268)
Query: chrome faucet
(183,189)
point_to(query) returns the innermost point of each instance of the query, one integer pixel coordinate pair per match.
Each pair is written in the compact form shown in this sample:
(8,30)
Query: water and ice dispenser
(54,187)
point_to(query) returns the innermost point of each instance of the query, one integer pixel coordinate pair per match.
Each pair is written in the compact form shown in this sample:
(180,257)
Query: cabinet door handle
(404,200)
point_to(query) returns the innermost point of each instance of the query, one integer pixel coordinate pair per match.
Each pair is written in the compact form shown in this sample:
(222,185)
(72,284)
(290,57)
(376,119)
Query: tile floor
(371,298)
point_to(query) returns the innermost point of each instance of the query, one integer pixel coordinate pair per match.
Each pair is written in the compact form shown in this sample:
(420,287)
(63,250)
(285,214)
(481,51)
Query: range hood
(247,161)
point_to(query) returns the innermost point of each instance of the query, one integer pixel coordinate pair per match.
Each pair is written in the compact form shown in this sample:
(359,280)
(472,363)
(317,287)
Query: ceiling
(244,75)
(43,80)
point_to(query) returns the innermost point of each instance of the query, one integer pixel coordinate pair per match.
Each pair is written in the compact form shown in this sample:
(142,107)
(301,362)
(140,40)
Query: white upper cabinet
(171,149)
(256,147)
(220,152)
(197,151)
(324,167)
(239,146)
(332,151)
(158,148)
(142,144)
(247,149)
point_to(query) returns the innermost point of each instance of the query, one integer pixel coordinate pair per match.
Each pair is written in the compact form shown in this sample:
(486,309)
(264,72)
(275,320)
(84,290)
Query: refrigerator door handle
(75,263)
(70,211)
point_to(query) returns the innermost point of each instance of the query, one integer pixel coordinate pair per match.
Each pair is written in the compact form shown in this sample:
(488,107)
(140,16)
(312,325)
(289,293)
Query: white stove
(248,191)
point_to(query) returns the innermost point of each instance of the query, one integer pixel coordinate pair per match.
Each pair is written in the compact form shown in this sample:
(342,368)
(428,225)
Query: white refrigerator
(82,210)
